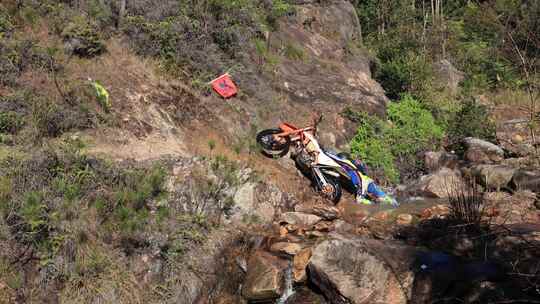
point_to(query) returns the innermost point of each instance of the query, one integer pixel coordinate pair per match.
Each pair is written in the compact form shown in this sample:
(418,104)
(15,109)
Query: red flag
(224,86)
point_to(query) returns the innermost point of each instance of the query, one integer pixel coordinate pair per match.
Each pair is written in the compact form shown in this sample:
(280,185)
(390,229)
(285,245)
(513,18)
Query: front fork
(320,179)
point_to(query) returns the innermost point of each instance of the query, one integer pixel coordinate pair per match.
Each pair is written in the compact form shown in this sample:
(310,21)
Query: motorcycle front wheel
(332,190)
(270,146)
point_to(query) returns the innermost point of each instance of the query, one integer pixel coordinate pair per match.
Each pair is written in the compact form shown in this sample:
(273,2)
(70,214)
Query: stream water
(289,289)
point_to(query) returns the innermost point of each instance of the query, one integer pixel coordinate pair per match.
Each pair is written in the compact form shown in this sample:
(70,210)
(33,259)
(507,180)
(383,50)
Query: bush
(371,145)
(392,146)
(6,27)
(18,55)
(471,120)
(409,73)
(294,52)
(414,128)
(82,38)
(10,122)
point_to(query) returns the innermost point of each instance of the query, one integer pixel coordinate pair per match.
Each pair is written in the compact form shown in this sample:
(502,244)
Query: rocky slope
(223,224)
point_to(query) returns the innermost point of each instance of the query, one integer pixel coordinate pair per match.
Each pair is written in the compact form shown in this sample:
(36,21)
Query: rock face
(481,151)
(439,184)
(264,279)
(493,176)
(323,33)
(358,271)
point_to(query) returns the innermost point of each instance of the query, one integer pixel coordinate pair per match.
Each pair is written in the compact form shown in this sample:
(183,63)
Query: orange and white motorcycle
(327,171)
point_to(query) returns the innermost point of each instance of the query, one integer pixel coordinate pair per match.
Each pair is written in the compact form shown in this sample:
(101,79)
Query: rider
(366,187)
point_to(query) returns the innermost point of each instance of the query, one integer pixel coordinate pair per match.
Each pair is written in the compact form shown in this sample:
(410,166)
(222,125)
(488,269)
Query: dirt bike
(326,170)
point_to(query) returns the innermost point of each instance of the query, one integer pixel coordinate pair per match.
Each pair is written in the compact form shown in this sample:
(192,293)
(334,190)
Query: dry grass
(466,204)
(101,276)
(509,97)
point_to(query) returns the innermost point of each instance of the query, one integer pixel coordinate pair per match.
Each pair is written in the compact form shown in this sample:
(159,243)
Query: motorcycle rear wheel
(271,147)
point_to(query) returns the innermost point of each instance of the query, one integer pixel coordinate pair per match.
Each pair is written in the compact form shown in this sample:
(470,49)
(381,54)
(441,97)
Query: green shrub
(471,120)
(294,52)
(82,38)
(390,146)
(414,128)
(6,27)
(10,122)
(408,73)
(100,12)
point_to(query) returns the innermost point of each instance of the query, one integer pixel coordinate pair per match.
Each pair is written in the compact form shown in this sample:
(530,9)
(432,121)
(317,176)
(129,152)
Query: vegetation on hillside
(495,43)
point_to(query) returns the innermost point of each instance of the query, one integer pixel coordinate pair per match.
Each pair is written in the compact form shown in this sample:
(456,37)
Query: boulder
(447,76)
(526,180)
(481,151)
(340,226)
(249,205)
(300,262)
(493,176)
(265,277)
(436,160)
(404,219)
(437,211)
(286,247)
(440,184)
(326,211)
(358,270)
(305,296)
(299,219)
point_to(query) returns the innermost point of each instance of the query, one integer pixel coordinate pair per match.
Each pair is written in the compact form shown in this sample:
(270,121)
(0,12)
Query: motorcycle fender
(332,173)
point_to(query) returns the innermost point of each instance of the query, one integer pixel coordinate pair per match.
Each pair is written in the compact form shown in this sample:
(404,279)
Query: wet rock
(381,230)
(404,219)
(323,226)
(436,160)
(265,277)
(242,263)
(299,219)
(526,180)
(283,231)
(381,216)
(353,213)
(323,210)
(306,296)
(440,184)
(493,176)
(358,270)
(315,234)
(481,151)
(300,262)
(291,227)
(438,211)
(286,247)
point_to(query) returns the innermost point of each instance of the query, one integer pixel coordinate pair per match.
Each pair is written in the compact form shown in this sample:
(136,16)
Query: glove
(387,199)
(363,201)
